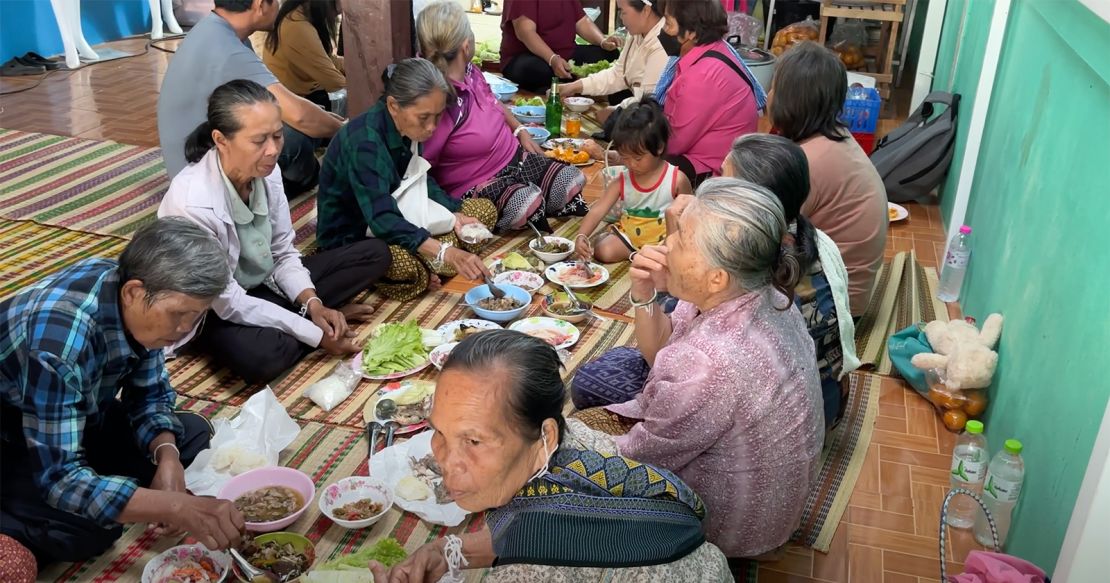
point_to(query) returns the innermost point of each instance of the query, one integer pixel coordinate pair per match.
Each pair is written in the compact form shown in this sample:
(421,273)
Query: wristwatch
(437,263)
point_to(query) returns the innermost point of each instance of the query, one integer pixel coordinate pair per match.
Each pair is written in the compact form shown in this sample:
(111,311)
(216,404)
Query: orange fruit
(976,403)
(954,420)
(945,399)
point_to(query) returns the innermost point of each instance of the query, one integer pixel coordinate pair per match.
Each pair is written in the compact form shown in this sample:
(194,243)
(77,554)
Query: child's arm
(594,218)
(682,185)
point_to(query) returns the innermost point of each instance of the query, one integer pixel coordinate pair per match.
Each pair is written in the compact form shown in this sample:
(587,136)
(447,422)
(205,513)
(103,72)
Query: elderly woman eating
(733,395)
(709,95)
(479,150)
(553,512)
(847,198)
(279,306)
(375,183)
(642,60)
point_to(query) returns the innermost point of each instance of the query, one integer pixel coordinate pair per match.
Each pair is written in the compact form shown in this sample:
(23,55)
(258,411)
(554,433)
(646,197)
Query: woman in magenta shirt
(708,94)
(479,150)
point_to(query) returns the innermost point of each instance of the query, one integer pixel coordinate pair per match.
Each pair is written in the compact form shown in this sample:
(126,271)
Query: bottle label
(957,259)
(1001,489)
(968,471)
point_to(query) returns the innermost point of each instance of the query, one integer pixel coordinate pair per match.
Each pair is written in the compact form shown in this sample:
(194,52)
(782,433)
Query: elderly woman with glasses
(732,403)
(554,511)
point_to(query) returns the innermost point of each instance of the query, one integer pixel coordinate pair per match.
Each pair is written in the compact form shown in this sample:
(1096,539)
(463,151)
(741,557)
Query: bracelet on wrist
(307,303)
(519,129)
(552,59)
(154,454)
(649,302)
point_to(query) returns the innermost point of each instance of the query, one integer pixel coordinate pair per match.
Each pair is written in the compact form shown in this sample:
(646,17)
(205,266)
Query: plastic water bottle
(1000,493)
(969,467)
(955,266)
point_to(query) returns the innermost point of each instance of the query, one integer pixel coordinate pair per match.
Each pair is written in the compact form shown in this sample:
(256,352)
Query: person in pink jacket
(279,306)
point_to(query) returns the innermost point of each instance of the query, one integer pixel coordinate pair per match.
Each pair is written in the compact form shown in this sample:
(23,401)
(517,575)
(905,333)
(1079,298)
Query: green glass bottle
(553,117)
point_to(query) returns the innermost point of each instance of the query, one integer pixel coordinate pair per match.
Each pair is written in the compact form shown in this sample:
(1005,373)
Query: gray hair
(441,30)
(412,79)
(740,231)
(173,254)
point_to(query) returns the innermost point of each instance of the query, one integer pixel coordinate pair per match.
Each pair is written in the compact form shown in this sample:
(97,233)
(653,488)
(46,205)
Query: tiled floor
(889,533)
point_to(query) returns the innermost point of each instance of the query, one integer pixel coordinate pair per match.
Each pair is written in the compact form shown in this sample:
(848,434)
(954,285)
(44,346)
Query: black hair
(323,15)
(705,18)
(222,115)
(536,389)
(639,5)
(809,86)
(237,5)
(642,129)
(781,166)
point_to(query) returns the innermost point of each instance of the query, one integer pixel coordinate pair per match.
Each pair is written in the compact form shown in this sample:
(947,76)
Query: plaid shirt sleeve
(54,412)
(372,177)
(149,400)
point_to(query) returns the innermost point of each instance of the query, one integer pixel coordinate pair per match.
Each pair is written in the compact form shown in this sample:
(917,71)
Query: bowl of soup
(504,309)
(553,250)
(270,498)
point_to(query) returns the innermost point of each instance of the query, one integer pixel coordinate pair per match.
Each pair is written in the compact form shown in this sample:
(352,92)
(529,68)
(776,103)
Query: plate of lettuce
(393,351)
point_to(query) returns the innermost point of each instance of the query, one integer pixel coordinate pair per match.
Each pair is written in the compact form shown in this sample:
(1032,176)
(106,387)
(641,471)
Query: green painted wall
(1041,215)
(959,73)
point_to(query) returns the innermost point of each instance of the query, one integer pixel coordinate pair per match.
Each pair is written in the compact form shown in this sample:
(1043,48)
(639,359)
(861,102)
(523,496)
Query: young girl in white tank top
(646,188)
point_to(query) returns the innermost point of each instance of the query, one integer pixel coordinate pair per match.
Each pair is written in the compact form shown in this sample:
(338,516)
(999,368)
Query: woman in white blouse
(279,306)
(641,63)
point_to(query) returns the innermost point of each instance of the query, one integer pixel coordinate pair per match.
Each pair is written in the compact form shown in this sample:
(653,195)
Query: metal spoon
(253,574)
(493,289)
(385,409)
(375,430)
(391,428)
(539,235)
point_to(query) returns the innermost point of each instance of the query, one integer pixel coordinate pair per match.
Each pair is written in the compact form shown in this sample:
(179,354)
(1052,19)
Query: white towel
(837,275)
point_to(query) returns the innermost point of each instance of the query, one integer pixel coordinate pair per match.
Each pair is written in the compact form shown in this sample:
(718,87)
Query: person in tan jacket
(300,50)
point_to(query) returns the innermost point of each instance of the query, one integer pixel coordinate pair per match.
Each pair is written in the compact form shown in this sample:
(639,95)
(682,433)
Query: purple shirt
(733,406)
(473,141)
(708,106)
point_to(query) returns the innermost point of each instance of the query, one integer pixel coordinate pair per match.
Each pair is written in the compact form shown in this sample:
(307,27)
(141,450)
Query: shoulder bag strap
(732,64)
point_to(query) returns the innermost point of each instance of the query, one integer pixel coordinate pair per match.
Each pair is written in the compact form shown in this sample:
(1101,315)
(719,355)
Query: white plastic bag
(334,388)
(260,431)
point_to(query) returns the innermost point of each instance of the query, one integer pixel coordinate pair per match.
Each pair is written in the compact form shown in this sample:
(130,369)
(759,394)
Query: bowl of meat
(287,555)
(481,300)
(553,250)
(356,502)
(270,498)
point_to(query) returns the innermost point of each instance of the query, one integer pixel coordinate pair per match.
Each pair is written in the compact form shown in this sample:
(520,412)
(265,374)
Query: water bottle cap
(974,427)
(1013,446)
(965,230)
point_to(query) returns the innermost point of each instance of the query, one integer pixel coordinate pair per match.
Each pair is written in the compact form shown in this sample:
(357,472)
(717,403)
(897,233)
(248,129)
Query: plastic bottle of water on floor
(955,266)
(1000,493)
(969,467)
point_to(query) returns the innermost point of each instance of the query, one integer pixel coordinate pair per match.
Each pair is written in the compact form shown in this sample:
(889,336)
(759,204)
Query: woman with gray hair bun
(374,182)
(732,403)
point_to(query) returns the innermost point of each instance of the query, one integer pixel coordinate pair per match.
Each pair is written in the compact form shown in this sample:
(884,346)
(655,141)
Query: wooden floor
(889,533)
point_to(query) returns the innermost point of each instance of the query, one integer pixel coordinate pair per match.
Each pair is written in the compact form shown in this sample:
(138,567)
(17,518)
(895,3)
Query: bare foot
(434,283)
(357,312)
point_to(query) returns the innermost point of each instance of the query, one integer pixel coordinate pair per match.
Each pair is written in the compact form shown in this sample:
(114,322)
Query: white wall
(1084,557)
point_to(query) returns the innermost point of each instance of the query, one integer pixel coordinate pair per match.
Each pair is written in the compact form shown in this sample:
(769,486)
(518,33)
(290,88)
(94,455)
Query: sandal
(16,67)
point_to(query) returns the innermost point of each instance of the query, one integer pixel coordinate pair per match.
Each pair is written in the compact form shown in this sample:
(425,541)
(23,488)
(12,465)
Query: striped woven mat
(841,462)
(29,252)
(96,186)
(905,293)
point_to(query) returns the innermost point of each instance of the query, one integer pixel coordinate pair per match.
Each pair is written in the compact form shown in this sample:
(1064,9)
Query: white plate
(902,213)
(554,274)
(448,329)
(392,463)
(526,280)
(546,328)
(440,354)
(575,143)
(369,410)
(183,552)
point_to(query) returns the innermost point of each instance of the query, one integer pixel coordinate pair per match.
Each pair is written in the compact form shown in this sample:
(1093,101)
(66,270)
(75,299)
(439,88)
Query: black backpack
(914,158)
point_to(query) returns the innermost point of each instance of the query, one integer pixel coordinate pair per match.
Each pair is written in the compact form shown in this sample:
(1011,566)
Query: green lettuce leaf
(394,348)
